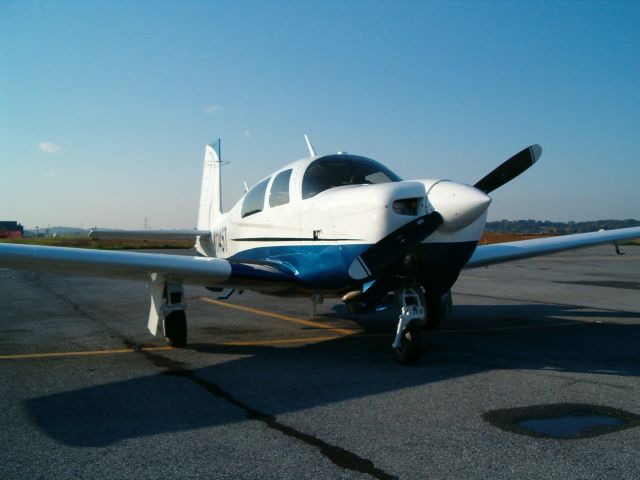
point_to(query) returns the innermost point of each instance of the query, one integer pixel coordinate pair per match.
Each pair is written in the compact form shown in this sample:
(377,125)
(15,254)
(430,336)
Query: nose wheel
(409,351)
(407,346)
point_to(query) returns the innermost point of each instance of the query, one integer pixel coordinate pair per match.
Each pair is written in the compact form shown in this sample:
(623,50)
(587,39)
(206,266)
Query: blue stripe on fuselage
(315,266)
(325,267)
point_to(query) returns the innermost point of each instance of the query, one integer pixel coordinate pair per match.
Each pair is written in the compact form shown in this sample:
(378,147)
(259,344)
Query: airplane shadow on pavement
(265,382)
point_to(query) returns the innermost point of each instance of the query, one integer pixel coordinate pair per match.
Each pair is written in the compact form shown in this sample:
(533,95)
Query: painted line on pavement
(282,341)
(23,356)
(279,316)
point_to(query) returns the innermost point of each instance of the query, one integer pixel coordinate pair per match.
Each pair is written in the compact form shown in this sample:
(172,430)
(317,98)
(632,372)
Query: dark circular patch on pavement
(565,421)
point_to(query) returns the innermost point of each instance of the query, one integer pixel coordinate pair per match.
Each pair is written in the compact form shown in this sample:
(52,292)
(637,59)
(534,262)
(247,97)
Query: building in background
(11,230)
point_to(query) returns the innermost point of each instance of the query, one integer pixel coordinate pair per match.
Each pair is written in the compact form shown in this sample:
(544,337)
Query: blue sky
(105,107)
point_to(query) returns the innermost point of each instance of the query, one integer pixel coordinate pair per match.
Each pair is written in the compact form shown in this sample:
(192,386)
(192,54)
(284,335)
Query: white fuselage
(348,217)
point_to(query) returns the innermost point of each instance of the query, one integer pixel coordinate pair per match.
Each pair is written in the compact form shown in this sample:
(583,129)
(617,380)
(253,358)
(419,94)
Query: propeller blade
(510,169)
(394,246)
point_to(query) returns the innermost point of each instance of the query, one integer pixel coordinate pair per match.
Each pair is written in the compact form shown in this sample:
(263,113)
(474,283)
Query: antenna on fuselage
(312,152)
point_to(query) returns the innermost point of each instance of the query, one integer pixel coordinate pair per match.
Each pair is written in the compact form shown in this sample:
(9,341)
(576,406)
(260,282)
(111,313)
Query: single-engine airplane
(336,225)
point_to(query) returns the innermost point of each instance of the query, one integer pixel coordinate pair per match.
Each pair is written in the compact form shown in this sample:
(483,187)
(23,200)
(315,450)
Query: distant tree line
(538,226)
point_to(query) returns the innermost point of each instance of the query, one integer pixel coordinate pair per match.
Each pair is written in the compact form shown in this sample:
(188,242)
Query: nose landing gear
(407,346)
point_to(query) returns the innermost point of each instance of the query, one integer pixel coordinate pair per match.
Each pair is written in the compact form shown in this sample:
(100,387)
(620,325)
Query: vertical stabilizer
(210,193)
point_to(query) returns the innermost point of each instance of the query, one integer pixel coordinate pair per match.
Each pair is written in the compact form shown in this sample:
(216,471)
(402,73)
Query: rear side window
(254,199)
(280,189)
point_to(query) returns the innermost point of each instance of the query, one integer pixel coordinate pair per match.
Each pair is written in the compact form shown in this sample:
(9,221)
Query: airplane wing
(505,252)
(193,270)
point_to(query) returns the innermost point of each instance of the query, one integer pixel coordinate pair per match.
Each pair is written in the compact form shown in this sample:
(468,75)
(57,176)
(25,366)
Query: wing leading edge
(208,271)
(505,252)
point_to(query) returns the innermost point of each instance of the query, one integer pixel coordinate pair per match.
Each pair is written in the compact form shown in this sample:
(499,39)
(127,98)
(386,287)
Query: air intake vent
(407,206)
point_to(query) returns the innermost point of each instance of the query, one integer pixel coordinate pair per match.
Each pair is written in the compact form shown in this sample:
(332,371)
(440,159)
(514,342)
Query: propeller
(455,206)
(510,169)
(394,246)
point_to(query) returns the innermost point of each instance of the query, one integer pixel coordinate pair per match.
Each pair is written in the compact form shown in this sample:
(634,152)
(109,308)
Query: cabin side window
(254,199)
(279,194)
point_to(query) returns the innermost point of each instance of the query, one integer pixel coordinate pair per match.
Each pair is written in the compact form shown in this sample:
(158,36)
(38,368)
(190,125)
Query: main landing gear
(439,309)
(168,305)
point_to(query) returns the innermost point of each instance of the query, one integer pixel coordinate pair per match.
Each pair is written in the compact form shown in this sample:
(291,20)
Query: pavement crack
(39,283)
(337,455)
(571,380)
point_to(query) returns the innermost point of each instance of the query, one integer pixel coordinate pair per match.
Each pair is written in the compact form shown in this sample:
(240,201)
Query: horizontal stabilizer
(148,234)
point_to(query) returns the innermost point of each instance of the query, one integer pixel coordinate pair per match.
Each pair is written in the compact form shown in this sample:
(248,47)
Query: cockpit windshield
(339,170)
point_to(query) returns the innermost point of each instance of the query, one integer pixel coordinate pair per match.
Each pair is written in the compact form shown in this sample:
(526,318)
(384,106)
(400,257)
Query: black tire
(447,307)
(175,328)
(437,311)
(410,349)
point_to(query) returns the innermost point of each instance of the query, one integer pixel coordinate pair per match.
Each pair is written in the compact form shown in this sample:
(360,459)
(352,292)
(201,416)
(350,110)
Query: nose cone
(459,204)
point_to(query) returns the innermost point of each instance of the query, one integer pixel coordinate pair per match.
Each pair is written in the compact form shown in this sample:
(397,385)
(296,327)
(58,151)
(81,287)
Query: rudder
(210,193)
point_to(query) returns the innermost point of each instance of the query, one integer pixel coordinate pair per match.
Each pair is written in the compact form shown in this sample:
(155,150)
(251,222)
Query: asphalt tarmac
(266,391)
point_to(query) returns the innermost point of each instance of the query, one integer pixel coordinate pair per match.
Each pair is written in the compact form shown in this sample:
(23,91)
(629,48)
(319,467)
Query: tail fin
(210,194)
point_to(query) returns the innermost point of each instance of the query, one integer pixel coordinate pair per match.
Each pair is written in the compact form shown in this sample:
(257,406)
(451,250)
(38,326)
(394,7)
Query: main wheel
(437,311)
(175,328)
(410,345)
